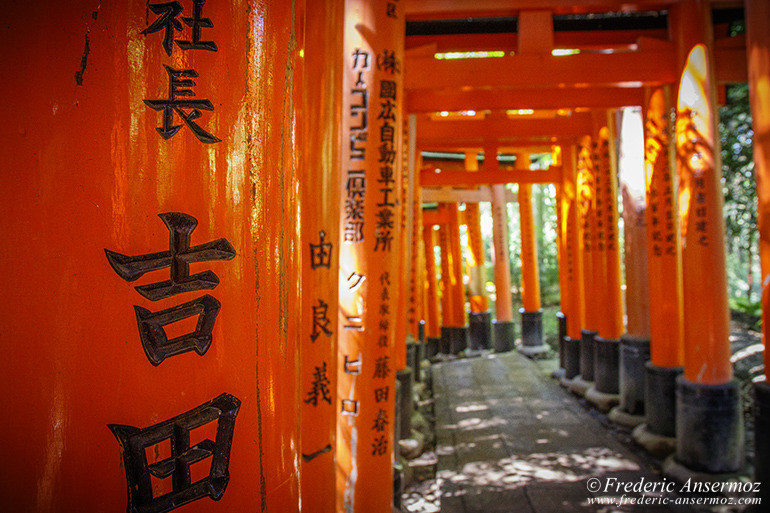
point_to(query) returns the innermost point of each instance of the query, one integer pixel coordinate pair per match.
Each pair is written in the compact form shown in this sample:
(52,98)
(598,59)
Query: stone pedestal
(587,355)
(480,330)
(405,404)
(443,345)
(504,336)
(561,321)
(660,399)
(762,439)
(709,426)
(571,358)
(532,333)
(634,354)
(607,365)
(432,347)
(458,339)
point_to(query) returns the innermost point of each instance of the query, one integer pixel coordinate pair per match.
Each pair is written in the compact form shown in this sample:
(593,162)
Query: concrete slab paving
(510,439)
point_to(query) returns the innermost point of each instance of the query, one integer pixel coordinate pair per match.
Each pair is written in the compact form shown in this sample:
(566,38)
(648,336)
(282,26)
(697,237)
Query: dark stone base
(606,365)
(405,404)
(432,347)
(709,426)
(480,330)
(504,336)
(587,355)
(561,320)
(762,439)
(571,358)
(443,345)
(457,338)
(421,331)
(634,353)
(660,399)
(531,328)
(414,358)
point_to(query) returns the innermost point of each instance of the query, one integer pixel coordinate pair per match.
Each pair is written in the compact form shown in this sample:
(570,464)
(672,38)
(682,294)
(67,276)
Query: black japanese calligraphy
(319,387)
(176,431)
(179,84)
(321,253)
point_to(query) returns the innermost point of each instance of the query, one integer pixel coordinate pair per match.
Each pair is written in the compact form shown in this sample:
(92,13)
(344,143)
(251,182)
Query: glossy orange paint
(561,258)
(758,56)
(455,266)
(706,314)
(432,313)
(500,253)
(475,257)
(416,255)
(431,178)
(573,243)
(611,321)
(445,283)
(87,171)
(586,191)
(664,251)
(320,71)
(530,275)
(370,274)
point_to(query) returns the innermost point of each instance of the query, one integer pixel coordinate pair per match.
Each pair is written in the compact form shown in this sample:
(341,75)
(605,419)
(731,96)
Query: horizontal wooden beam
(508,41)
(500,132)
(449,195)
(432,217)
(424,100)
(429,178)
(648,67)
(442,9)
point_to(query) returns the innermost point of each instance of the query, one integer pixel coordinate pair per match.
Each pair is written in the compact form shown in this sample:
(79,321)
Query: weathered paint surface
(664,252)
(319,160)
(370,230)
(86,170)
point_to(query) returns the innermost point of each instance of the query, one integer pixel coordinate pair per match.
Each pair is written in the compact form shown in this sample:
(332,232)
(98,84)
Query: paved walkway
(510,439)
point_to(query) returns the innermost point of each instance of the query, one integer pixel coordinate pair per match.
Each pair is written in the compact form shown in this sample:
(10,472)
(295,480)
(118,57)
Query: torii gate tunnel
(227,238)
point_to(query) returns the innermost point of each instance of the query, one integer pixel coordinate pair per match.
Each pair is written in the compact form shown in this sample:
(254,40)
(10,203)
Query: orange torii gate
(219,131)
(499,83)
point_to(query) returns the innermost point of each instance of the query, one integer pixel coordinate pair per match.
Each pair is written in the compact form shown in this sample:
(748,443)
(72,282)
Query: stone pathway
(510,439)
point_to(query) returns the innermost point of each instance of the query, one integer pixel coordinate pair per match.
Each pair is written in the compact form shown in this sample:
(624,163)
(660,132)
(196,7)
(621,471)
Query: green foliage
(740,206)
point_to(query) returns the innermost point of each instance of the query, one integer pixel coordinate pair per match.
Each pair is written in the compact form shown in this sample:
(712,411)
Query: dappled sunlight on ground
(510,473)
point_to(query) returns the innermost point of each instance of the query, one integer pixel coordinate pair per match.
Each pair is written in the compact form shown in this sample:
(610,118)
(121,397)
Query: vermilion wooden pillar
(758,50)
(416,254)
(606,265)
(593,264)
(447,312)
(573,261)
(707,388)
(480,319)
(475,257)
(188,323)
(432,312)
(504,336)
(586,191)
(456,332)
(605,163)
(369,253)
(635,343)
(531,312)
(319,193)
(663,240)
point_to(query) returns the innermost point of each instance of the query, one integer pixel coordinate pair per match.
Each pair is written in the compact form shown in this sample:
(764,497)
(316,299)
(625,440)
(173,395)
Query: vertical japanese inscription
(178,258)
(355,185)
(176,432)
(180,80)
